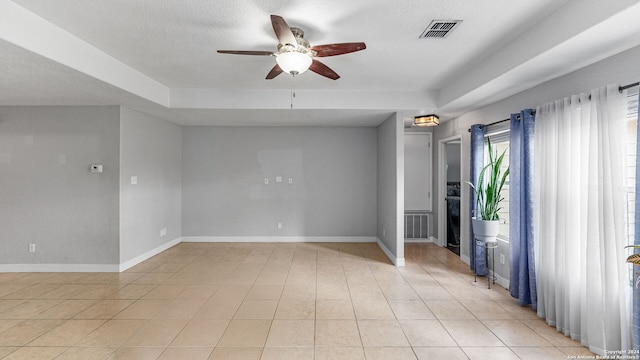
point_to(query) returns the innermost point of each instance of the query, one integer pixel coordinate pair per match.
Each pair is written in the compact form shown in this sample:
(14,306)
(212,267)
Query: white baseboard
(59,268)
(267,239)
(87,267)
(153,252)
(395,260)
(501,281)
(138,259)
(420,241)
(465,259)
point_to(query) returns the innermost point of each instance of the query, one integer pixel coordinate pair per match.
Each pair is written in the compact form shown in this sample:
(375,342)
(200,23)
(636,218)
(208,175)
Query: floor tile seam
(504,344)
(167,348)
(350,302)
(359,333)
(42,311)
(391,307)
(5,297)
(68,296)
(146,321)
(471,312)
(406,337)
(62,323)
(515,316)
(16,305)
(353,310)
(496,335)
(20,321)
(416,292)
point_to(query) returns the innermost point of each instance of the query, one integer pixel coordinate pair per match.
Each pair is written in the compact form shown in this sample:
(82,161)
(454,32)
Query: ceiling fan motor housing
(302,45)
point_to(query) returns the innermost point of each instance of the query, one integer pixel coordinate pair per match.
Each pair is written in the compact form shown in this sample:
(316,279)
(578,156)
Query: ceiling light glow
(294,62)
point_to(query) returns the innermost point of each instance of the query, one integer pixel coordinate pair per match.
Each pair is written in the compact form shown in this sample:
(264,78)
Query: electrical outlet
(502,259)
(163,232)
(134,180)
(279,225)
(266,181)
(384,232)
(32,248)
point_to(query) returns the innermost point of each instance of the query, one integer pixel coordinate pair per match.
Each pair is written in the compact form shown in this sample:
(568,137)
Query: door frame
(442,186)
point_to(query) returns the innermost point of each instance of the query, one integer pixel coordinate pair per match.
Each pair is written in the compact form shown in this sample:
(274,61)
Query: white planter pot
(485,230)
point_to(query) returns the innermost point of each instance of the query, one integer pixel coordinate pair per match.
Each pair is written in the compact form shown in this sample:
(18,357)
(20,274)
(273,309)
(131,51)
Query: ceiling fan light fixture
(426,120)
(294,62)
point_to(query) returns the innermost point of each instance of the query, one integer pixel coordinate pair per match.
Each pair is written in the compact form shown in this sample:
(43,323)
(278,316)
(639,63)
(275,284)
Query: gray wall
(333,171)
(622,68)
(151,150)
(47,194)
(391,185)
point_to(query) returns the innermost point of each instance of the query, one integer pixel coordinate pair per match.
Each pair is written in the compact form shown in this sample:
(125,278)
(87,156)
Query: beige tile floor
(272,301)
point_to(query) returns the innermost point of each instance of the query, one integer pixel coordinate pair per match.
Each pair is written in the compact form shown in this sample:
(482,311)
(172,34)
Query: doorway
(418,173)
(449,204)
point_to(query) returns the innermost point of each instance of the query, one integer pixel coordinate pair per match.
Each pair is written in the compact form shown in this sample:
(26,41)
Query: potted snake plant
(486,223)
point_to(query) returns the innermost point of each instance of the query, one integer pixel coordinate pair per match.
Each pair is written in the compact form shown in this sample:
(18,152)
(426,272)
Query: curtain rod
(621,88)
(625,87)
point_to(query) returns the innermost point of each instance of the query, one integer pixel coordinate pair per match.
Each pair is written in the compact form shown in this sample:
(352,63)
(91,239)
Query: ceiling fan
(295,55)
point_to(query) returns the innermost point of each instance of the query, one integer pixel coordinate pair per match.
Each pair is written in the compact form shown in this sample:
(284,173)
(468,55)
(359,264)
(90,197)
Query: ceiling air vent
(439,28)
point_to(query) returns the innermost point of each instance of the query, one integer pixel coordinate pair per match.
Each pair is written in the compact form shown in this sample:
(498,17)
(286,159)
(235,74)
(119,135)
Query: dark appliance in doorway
(453,217)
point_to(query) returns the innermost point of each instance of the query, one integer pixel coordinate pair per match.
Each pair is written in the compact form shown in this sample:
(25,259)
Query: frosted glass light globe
(295,63)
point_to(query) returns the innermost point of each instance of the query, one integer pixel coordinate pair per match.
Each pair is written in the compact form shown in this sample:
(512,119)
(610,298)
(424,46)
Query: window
(499,136)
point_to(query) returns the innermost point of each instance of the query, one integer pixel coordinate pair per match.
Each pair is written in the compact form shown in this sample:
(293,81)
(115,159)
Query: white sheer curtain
(580,216)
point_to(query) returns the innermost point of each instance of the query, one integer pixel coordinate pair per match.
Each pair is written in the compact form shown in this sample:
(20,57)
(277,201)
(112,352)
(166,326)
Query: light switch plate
(134,180)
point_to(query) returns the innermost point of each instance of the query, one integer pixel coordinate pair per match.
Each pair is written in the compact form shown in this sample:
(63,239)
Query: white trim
(153,252)
(400,148)
(465,259)
(395,260)
(281,239)
(59,268)
(132,262)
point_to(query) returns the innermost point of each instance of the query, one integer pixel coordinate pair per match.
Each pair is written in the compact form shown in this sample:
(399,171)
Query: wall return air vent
(439,28)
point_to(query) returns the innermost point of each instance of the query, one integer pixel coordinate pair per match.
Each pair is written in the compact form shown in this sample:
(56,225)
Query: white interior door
(417,172)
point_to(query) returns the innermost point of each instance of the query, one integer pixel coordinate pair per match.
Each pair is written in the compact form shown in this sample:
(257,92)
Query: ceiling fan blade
(249,52)
(275,71)
(338,49)
(322,69)
(282,30)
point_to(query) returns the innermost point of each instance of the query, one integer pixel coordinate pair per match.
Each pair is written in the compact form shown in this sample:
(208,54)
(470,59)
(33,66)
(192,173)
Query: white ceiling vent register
(439,28)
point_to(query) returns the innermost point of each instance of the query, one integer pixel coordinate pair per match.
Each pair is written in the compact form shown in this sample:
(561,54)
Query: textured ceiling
(159,56)
(174,42)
